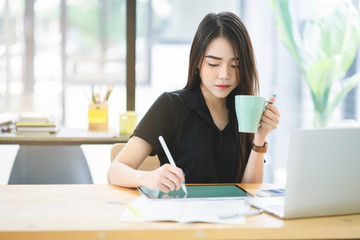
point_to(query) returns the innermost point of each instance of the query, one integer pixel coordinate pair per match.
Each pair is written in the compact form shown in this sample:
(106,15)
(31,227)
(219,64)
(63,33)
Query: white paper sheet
(214,211)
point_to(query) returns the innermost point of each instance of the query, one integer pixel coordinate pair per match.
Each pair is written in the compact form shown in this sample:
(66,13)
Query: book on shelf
(34,134)
(52,122)
(35,116)
(38,129)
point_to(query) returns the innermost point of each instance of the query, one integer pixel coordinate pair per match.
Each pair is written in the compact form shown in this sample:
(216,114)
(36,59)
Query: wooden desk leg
(60,164)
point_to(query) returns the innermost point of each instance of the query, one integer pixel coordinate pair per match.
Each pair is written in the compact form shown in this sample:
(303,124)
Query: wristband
(260,149)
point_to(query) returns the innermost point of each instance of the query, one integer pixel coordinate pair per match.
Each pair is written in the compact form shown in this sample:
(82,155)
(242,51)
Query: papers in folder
(214,211)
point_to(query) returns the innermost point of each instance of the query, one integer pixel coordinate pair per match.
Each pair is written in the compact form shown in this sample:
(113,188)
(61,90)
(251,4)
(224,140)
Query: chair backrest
(150,163)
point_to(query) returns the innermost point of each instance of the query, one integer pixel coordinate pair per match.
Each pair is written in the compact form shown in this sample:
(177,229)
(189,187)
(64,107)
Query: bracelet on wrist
(260,149)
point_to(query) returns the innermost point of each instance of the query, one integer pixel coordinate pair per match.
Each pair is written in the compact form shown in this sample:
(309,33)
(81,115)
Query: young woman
(199,122)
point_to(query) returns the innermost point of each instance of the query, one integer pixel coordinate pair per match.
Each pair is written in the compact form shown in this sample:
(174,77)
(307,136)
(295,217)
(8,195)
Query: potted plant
(323,51)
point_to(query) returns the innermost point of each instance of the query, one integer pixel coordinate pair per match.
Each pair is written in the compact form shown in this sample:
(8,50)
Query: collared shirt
(204,153)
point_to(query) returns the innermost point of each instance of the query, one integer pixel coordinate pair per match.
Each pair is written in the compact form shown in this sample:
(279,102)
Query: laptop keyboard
(279,208)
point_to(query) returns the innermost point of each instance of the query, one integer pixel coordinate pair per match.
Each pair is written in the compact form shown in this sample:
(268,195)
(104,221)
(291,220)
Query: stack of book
(37,122)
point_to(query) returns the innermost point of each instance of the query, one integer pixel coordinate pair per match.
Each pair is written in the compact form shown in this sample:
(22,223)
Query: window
(163,43)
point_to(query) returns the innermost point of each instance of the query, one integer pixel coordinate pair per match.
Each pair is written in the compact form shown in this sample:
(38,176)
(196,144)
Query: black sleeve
(159,120)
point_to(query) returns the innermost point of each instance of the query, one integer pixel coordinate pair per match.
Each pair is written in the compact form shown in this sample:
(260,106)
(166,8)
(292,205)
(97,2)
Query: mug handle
(267,101)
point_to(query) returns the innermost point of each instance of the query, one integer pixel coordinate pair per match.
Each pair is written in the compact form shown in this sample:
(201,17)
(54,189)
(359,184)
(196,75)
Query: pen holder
(98,117)
(128,122)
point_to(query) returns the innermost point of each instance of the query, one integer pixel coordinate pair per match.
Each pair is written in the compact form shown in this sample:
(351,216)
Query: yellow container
(98,117)
(128,122)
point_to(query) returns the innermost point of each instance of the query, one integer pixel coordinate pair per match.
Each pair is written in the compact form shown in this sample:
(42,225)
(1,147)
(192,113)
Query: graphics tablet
(199,192)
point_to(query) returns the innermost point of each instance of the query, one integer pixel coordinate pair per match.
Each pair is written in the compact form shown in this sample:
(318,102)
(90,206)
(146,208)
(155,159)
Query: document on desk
(213,211)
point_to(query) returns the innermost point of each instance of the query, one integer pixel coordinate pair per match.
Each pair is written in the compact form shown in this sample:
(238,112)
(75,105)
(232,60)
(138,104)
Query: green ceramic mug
(249,110)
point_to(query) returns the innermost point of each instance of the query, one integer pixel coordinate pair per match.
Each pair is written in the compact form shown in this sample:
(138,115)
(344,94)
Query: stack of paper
(37,122)
(214,211)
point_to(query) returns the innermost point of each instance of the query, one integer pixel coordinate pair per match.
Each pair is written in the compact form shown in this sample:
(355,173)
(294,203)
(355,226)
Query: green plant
(324,51)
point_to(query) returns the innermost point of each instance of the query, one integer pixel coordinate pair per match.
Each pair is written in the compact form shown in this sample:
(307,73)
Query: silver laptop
(323,175)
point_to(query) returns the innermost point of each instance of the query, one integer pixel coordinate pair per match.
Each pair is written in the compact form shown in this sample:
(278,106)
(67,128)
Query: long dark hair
(228,25)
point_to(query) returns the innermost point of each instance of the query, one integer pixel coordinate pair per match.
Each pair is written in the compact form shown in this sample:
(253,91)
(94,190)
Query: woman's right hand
(123,170)
(166,178)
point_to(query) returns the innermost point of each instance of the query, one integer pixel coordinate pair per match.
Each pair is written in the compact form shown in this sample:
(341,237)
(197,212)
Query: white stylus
(171,160)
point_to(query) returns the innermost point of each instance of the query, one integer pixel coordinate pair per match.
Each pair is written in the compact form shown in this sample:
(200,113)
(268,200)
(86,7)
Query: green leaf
(319,76)
(348,84)
(312,40)
(288,32)
(340,36)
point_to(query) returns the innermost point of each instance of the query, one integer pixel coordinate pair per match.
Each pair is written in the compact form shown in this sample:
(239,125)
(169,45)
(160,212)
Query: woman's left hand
(269,120)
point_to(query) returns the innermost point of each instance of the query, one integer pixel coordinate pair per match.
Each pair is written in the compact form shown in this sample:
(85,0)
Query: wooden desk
(55,158)
(93,211)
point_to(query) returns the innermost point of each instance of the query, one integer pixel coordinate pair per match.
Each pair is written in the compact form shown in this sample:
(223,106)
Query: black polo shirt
(199,148)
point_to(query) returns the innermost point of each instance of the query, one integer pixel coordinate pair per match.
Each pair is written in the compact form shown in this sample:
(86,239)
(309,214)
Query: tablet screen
(199,191)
